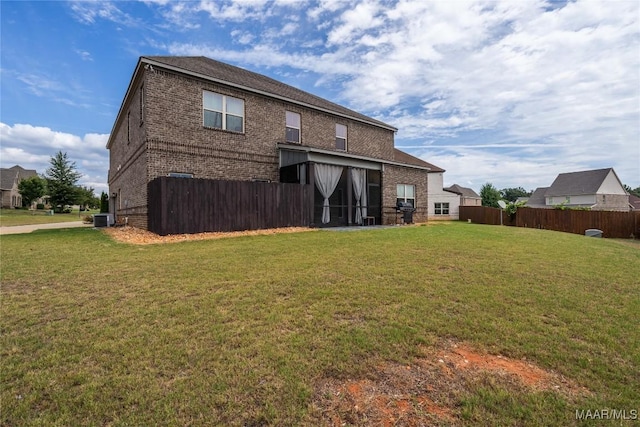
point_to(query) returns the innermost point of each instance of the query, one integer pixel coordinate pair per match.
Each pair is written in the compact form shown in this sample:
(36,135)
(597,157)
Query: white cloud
(33,146)
(557,83)
(89,12)
(86,56)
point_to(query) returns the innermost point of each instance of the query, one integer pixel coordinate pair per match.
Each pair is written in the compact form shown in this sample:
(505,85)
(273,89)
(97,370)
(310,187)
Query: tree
(86,198)
(61,178)
(104,203)
(634,191)
(31,189)
(490,195)
(512,194)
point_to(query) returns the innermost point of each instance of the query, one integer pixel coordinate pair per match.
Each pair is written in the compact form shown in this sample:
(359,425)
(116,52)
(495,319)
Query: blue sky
(511,93)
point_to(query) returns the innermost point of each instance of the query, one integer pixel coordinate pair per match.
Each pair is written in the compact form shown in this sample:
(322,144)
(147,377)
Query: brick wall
(612,202)
(128,160)
(394,175)
(171,138)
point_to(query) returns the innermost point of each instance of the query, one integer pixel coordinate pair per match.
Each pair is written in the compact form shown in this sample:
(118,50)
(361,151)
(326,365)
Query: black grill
(407,211)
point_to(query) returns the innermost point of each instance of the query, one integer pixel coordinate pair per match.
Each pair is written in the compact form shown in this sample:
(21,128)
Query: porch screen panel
(327,177)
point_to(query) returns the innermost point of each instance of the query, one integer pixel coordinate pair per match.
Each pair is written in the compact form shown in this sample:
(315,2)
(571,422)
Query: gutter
(307,149)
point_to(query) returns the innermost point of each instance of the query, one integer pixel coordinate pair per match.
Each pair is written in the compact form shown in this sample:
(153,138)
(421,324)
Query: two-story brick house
(195,117)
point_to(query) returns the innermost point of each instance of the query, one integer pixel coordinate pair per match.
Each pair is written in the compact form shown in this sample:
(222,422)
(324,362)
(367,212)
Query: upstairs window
(406,193)
(341,137)
(293,127)
(222,112)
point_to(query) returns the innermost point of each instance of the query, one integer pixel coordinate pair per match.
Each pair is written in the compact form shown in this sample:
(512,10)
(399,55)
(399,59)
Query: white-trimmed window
(407,193)
(293,127)
(341,137)
(441,208)
(222,112)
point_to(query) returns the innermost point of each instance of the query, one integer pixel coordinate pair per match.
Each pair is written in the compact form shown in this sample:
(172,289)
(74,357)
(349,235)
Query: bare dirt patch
(138,236)
(427,392)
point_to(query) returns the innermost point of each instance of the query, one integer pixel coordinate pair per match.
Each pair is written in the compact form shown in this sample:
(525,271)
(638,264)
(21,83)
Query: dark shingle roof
(463,191)
(537,197)
(248,80)
(577,183)
(8,176)
(402,157)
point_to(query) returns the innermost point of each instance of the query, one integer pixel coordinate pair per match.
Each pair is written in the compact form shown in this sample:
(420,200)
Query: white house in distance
(444,203)
(599,189)
(468,197)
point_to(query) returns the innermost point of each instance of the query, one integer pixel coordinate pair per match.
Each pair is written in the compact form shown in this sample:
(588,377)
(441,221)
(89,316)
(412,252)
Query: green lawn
(240,331)
(11,217)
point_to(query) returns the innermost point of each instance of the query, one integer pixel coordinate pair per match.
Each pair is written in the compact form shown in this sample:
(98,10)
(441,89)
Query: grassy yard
(11,217)
(244,331)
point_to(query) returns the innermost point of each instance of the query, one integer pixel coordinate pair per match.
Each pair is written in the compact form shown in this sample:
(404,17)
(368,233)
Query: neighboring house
(537,200)
(598,189)
(9,180)
(195,117)
(467,196)
(443,205)
(634,202)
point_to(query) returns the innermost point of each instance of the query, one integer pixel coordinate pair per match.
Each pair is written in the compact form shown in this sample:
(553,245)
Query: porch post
(311,180)
(349,196)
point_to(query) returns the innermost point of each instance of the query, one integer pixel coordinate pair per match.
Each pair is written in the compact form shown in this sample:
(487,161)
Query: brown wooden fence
(613,224)
(185,205)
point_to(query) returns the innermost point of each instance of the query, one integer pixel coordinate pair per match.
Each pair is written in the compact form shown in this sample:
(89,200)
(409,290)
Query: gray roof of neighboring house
(8,176)
(537,197)
(247,80)
(402,157)
(463,191)
(634,201)
(577,183)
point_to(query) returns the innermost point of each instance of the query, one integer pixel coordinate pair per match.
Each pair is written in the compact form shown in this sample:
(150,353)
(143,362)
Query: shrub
(40,206)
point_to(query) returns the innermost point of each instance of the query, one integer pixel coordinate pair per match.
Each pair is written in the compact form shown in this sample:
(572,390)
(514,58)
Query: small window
(406,193)
(180,175)
(293,127)
(441,208)
(341,137)
(222,112)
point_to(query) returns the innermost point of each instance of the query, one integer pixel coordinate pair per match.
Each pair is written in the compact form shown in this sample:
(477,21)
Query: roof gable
(402,157)
(537,197)
(14,174)
(578,183)
(463,191)
(7,178)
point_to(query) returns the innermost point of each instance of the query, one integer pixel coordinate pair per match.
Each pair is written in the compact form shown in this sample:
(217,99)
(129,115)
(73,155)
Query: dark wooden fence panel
(184,205)
(613,224)
(480,214)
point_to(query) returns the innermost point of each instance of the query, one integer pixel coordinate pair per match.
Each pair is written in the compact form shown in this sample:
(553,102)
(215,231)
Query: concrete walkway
(20,229)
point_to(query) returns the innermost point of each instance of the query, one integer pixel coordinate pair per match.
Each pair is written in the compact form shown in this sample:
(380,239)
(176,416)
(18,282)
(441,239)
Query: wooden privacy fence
(187,205)
(613,224)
